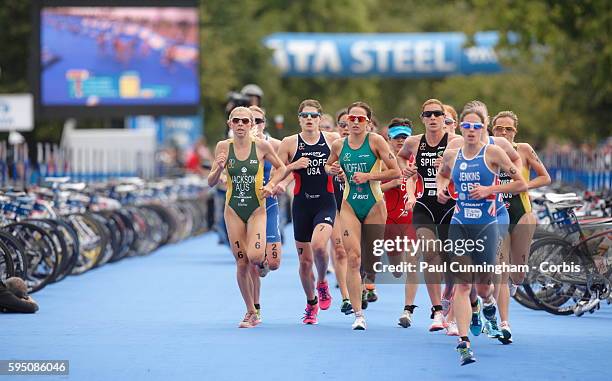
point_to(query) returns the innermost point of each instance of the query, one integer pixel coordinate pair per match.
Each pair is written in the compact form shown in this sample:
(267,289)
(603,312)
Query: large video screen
(107,56)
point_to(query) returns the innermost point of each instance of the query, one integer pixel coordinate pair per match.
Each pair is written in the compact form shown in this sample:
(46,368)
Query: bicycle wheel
(43,260)
(59,243)
(555,292)
(92,242)
(17,252)
(7,269)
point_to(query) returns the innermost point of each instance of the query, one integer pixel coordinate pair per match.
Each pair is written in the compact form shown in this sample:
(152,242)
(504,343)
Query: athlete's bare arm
(285,154)
(533,162)
(499,159)
(269,154)
(332,167)
(504,144)
(391,183)
(221,152)
(443,177)
(409,149)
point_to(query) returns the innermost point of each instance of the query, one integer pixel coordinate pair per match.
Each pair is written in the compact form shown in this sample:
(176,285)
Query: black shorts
(433,216)
(307,214)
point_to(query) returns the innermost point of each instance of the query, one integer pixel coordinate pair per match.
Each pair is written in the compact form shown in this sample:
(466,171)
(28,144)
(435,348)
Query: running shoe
(250,320)
(364,300)
(506,337)
(452,329)
(466,355)
(490,327)
(438,322)
(372,296)
(406,319)
(263,268)
(346,307)
(310,316)
(324,295)
(359,324)
(445,306)
(476,322)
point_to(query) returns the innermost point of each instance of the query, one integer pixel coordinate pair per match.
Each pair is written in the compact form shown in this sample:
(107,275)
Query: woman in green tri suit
(242,158)
(359,156)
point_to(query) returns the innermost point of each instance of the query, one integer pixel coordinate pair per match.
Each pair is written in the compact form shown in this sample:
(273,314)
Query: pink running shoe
(250,320)
(325,297)
(310,316)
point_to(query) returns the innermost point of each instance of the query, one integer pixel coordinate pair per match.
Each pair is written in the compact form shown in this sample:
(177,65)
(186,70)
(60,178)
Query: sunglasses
(343,125)
(449,121)
(243,120)
(476,126)
(357,118)
(259,120)
(508,129)
(428,114)
(305,115)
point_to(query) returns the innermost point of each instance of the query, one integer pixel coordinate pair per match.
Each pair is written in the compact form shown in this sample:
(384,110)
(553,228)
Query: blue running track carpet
(174,314)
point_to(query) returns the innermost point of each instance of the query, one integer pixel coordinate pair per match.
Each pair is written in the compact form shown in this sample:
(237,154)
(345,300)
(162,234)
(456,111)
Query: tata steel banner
(388,55)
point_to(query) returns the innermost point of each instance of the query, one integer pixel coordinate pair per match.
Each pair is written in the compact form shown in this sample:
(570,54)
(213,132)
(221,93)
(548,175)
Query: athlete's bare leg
(520,242)
(256,282)
(432,257)
(256,236)
(351,238)
(320,236)
(273,254)
(236,231)
(306,275)
(339,257)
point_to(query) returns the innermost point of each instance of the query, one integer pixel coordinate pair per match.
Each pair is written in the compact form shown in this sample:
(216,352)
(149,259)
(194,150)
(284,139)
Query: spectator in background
(14,297)
(254,93)
(199,158)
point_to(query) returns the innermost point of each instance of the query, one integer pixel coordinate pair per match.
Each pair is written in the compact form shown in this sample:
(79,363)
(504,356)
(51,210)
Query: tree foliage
(557,79)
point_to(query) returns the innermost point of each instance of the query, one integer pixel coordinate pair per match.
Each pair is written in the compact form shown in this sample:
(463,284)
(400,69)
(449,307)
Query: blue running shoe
(466,355)
(491,327)
(476,322)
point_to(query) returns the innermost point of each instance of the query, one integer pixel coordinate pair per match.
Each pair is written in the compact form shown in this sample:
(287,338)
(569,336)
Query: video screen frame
(83,111)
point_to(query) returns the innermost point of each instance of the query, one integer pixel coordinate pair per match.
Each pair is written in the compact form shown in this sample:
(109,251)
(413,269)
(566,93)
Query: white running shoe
(452,329)
(438,322)
(406,319)
(359,324)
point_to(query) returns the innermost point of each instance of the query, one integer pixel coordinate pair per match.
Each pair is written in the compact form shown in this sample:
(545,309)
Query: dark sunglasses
(259,120)
(449,121)
(476,126)
(243,120)
(357,118)
(343,125)
(428,114)
(305,115)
